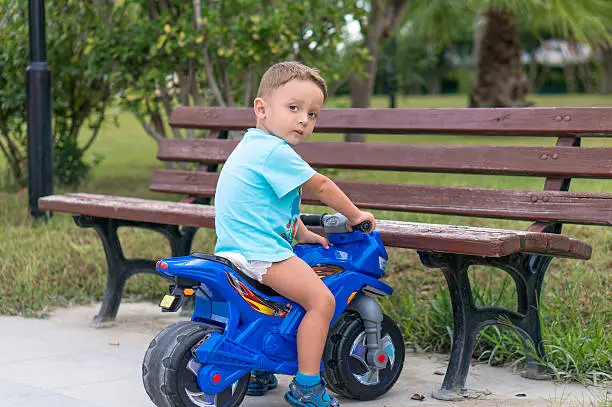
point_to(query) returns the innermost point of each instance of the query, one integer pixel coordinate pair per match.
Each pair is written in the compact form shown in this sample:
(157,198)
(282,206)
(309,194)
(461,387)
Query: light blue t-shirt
(257,202)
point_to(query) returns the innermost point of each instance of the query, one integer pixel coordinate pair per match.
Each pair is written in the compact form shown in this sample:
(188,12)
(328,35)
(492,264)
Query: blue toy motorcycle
(239,324)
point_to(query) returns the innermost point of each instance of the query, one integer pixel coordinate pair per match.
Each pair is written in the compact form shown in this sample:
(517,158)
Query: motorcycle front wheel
(347,371)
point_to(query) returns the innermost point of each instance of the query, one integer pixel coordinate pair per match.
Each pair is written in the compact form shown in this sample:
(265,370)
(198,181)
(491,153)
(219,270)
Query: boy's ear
(259,105)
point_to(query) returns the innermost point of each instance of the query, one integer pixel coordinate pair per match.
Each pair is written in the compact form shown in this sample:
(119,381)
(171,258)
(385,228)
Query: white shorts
(252,268)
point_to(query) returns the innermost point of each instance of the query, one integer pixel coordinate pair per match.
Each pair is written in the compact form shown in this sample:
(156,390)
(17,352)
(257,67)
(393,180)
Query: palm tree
(499,80)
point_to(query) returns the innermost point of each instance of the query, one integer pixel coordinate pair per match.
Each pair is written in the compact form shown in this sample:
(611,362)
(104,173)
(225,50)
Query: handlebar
(312,220)
(333,223)
(365,226)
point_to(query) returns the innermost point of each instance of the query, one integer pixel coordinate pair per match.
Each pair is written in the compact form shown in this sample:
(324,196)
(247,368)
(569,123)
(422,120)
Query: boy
(257,215)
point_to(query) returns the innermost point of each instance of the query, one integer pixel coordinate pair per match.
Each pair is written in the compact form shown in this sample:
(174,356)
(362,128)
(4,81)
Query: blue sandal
(310,396)
(261,382)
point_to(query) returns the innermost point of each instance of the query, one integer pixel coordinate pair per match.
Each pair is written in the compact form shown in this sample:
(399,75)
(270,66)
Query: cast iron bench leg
(528,273)
(120,268)
(465,330)
(534,267)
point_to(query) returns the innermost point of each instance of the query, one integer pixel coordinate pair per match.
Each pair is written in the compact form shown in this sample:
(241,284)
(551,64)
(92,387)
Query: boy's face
(290,112)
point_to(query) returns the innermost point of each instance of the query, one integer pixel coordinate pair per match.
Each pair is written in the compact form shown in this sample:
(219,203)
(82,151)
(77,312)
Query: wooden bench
(523,254)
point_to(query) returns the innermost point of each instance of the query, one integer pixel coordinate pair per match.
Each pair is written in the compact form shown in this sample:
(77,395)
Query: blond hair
(281,73)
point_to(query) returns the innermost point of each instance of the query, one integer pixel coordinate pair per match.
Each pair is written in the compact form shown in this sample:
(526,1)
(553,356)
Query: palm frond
(441,21)
(445,21)
(588,21)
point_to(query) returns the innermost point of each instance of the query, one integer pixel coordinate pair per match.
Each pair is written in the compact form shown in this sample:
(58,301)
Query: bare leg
(294,279)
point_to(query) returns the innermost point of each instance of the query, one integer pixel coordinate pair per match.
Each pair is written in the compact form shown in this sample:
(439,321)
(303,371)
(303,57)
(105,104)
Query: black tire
(343,371)
(167,379)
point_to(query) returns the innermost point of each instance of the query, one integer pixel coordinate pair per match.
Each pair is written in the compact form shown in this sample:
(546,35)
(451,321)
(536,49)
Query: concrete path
(63,362)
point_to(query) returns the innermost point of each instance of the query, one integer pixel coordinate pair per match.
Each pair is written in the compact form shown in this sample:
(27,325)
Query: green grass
(45,265)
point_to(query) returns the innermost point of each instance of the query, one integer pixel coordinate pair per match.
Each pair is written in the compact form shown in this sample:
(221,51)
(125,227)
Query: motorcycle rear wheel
(169,370)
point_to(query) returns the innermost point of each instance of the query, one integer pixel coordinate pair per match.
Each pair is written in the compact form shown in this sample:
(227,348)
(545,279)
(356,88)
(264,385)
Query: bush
(81,90)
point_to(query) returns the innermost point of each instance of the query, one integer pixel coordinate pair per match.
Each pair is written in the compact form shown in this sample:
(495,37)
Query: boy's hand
(363,216)
(309,237)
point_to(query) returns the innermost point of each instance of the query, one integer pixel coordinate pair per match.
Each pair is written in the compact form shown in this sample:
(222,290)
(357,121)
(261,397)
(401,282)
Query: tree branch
(165,98)
(163,5)
(6,153)
(5,133)
(13,160)
(150,131)
(208,67)
(184,87)
(194,84)
(248,87)
(226,85)
(153,12)
(197,12)
(97,127)
(337,85)
(14,150)
(397,15)
(210,74)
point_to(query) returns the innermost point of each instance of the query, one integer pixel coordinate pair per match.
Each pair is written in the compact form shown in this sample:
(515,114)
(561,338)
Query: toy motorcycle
(239,324)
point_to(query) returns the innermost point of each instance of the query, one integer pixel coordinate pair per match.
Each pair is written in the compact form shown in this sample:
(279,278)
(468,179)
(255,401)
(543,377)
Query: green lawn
(45,265)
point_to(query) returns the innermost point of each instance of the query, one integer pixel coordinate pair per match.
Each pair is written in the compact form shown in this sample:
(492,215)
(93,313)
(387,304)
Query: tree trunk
(479,31)
(362,87)
(361,96)
(569,71)
(533,73)
(499,77)
(383,18)
(606,69)
(433,83)
(587,77)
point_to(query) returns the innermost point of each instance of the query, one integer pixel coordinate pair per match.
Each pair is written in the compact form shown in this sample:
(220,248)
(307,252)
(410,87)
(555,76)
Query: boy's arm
(306,236)
(326,191)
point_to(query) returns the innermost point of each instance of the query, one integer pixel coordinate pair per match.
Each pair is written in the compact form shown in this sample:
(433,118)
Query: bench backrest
(558,164)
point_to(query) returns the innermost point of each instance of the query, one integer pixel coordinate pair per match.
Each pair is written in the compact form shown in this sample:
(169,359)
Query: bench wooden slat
(545,206)
(549,121)
(530,161)
(441,238)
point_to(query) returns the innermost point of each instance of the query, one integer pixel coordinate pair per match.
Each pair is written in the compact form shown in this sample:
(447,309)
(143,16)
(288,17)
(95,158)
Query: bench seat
(467,240)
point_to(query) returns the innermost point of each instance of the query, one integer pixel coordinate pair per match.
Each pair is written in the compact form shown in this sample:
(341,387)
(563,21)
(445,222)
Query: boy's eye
(293,108)
(313,115)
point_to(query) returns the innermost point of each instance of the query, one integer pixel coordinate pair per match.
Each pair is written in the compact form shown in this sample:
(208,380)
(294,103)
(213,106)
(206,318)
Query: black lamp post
(40,141)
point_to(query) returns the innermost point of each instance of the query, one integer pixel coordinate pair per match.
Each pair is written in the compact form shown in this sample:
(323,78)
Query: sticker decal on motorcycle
(325,270)
(275,309)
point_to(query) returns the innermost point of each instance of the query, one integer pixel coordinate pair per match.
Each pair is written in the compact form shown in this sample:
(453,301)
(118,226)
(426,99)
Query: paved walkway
(62,362)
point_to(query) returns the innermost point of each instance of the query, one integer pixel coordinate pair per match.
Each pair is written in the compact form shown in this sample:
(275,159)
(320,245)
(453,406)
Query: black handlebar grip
(312,220)
(364,226)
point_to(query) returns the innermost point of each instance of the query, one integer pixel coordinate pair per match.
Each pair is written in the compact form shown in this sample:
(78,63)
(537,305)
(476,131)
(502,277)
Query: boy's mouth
(300,132)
